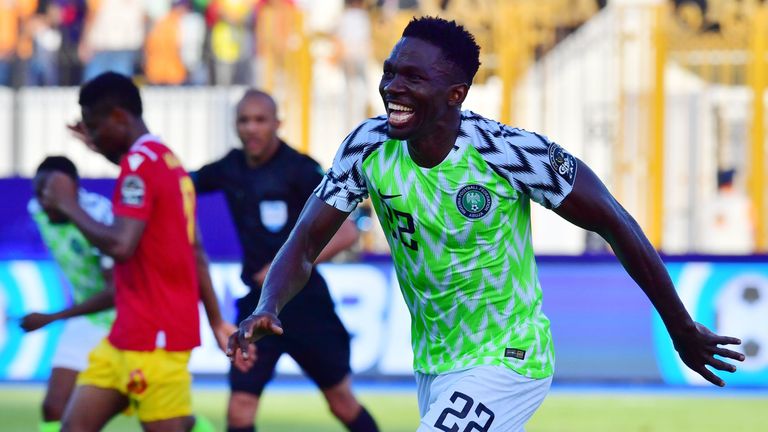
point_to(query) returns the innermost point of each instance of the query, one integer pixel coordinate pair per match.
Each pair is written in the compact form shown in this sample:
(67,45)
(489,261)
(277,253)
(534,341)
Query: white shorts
(484,398)
(77,340)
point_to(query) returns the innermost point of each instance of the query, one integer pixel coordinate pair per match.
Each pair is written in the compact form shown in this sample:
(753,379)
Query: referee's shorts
(313,336)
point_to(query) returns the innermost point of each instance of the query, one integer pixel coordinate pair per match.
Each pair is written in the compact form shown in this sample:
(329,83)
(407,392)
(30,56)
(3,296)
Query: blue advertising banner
(731,298)
(603,326)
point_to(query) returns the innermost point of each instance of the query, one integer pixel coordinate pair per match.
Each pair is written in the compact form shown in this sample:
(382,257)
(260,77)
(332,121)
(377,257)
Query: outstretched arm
(221,329)
(289,272)
(98,302)
(592,207)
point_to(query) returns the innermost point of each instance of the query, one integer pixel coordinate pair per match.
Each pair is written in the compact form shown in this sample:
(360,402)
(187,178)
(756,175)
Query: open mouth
(399,115)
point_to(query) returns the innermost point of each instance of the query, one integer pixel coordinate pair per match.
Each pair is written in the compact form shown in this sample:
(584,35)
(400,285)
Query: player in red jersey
(142,365)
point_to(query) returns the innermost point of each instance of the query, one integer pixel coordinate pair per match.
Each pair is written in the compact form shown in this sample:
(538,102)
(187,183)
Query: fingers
(727,340)
(242,342)
(231,345)
(243,365)
(710,376)
(721,365)
(724,352)
(276,329)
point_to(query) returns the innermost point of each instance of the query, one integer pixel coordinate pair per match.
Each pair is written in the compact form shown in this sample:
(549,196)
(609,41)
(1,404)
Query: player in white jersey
(452,190)
(89,275)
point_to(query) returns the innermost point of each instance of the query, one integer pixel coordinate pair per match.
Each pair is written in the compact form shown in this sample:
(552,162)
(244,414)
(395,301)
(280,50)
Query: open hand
(697,349)
(252,329)
(80,132)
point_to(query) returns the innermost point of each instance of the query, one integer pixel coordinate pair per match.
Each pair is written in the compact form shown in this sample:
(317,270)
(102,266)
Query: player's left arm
(221,329)
(98,302)
(118,240)
(591,206)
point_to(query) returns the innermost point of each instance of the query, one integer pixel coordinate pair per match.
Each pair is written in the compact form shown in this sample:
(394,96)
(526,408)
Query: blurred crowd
(163,42)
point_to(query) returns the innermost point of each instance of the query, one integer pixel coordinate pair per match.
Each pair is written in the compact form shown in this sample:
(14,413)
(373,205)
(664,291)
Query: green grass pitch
(304,411)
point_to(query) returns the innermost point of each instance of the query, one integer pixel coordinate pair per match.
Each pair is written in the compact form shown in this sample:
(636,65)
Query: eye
(388,74)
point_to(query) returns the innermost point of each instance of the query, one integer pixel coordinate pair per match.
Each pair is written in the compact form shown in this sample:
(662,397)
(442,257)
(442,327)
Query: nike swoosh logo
(386,197)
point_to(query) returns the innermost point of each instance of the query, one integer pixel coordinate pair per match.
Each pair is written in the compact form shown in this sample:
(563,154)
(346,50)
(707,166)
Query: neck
(432,148)
(254,161)
(137,131)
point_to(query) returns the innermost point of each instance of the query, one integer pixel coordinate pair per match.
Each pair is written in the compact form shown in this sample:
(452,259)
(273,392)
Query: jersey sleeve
(533,165)
(97,206)
(136,187)
(343,185)
(100,209)
(539,167)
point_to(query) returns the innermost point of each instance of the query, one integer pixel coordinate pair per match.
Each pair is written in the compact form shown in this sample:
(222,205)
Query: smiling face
(421,91)
(257,126)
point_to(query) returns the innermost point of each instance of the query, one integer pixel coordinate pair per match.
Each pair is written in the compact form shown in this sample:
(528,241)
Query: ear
(456,94)
(121,116)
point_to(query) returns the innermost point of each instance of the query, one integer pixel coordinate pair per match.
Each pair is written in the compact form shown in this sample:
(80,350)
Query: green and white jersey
(80,261)
(460,238)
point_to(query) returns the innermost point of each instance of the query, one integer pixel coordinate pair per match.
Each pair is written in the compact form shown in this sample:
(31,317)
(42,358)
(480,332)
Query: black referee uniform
(265,203)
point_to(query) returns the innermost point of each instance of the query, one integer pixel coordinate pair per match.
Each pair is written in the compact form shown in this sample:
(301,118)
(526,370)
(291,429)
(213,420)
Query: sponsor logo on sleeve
(132,191)
(563,163)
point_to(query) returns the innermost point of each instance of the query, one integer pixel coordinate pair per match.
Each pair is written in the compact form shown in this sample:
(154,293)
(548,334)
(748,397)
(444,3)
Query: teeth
(398,107)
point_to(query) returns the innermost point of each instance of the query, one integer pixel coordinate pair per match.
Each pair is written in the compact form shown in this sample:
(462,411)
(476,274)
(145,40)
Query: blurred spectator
(173,50)
(728,220)
(231,46)
(276,36)
(112,37)
(42,29)
(13,14)
(71,16)
(156,9)
(353,44)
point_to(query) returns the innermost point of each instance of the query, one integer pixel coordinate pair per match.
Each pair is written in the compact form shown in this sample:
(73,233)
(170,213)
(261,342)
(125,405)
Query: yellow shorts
(157,383)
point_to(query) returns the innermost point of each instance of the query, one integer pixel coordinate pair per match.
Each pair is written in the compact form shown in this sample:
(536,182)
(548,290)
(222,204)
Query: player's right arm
(118,240)
(289,272)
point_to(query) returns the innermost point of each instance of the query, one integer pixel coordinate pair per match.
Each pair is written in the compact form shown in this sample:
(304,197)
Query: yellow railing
(758,68)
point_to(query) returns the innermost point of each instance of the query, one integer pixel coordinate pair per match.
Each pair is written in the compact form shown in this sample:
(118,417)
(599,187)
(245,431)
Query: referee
(266,184)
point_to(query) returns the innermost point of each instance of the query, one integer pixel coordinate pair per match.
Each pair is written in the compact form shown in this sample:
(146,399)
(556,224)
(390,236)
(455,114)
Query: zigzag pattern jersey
(460,236)
(79,260)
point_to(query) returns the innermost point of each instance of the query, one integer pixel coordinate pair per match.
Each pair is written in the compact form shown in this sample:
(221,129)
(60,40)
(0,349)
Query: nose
(393,86)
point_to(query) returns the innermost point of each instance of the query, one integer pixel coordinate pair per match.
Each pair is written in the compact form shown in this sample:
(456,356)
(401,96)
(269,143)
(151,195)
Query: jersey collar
(147,137)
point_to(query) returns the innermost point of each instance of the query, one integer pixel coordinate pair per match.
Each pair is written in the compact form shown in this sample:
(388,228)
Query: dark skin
(257,125)
(61,383)
(111,132)
(423,94)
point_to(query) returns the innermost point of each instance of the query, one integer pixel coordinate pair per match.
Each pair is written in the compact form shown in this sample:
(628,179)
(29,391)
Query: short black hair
(58,163)
(457,44)
(111,90)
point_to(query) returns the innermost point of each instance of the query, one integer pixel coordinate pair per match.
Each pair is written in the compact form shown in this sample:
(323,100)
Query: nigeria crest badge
(473,201)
